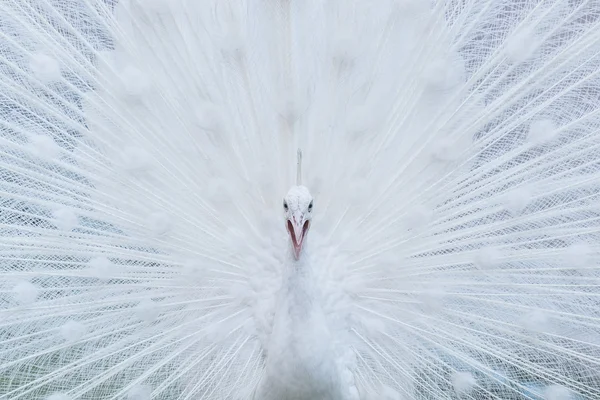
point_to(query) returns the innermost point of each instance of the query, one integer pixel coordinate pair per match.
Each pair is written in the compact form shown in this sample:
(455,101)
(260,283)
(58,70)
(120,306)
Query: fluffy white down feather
(451,147)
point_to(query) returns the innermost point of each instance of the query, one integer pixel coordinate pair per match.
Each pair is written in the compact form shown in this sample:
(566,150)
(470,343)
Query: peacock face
(298,207)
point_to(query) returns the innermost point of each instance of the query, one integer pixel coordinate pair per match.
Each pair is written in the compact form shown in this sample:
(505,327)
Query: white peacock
(450,250)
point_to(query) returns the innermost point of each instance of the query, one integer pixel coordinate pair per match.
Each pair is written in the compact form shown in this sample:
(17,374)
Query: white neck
(301,361)
(298,285)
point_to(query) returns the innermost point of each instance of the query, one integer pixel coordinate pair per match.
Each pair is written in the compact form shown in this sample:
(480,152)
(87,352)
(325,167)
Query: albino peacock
(442,242)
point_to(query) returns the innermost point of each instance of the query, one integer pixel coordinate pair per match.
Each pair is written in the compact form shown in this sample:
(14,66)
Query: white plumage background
(452,148)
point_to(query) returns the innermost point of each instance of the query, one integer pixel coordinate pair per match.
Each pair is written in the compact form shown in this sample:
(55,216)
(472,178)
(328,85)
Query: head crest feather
(299,168)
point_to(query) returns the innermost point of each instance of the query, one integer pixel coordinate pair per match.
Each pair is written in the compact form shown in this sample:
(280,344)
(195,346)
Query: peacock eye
(310,206)
(285,206)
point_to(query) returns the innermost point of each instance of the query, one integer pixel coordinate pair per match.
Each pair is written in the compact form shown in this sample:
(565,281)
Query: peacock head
(298,207)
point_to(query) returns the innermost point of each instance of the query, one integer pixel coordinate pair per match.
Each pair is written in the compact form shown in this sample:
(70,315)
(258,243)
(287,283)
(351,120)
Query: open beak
(297,228)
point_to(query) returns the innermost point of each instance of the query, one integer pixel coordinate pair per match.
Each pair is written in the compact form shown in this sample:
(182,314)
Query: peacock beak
(297,227)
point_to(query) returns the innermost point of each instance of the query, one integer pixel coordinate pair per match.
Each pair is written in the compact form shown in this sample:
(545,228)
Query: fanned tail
(452,149)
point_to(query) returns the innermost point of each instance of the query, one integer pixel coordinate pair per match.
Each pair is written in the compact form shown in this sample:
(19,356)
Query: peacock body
(440,242)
